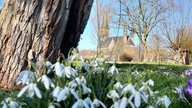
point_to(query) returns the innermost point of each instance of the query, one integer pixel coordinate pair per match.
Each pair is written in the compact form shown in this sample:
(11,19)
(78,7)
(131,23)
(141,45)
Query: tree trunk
(145,53)
(32,30)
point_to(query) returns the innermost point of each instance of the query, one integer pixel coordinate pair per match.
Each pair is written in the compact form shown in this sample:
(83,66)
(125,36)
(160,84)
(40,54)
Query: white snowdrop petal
(113,94)
(58,69)
(78,81)
(150,106)
(74,93)
(23,90)
(96,103)
(37,91)
(144,97)
(75,105)
(130,102)
(85,104)
(50,105)
(123,102)
(151,82)
(116,104)
(63,95)
(137,100)
(39,79)
(128,88)
(86,89)
(47,82)
(158,102)
(13,104)
(118,85)
(102,104)
(25,78)
(167,101)
(89,102)
(48,64)
(56,91)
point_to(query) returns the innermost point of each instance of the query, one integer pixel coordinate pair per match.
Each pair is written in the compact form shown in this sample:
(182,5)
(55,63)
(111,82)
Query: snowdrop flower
(56,91)
(153,93)
(86,89)
(63,94)
(25,77)
(85,66)
(164,100)
(80,82)
(150,106)
(98,69)
(48,64)
(69,71)
(54,105)
(51,105)
(179,90)
(83,80)
(80,104)
(59,69)
(113,70)
(162,67)
(75,56)
(150,82)
(118,86)
(10,103)
(89,102)
(32,89)
(123,102)
(113,95)
(167,101)
(130,101)
(46,81)
(137,99)
(128,88)
(116,105)
(98,103)
(72,91)
(100,60)
(72,84)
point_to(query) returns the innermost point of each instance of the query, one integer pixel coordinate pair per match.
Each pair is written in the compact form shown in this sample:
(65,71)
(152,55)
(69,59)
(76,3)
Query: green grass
(164,84)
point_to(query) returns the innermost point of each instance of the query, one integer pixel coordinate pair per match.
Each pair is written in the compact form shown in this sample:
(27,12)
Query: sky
(86,40)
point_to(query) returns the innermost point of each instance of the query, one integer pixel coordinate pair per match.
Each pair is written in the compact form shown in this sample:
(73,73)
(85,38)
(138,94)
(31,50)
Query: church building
(119,48)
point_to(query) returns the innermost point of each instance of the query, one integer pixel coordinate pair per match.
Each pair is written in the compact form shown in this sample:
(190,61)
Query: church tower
(132,36)
(125,34)
(104,29)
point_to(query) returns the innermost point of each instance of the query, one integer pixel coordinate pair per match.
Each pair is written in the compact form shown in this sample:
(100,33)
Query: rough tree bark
(38,29)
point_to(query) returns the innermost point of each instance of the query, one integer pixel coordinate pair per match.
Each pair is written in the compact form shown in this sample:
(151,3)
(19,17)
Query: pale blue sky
(87,41)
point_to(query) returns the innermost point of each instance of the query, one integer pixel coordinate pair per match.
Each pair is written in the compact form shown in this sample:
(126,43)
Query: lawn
(165,76)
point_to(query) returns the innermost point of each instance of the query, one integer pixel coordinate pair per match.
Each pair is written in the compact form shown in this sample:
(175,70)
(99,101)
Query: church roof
(118,39)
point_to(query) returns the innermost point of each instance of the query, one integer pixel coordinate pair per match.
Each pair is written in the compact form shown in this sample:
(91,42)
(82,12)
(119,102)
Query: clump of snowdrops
(89,84)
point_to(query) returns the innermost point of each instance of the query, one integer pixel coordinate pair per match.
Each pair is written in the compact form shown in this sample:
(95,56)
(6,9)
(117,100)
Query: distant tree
(142,16)
(176,29)
(156,45)
(35,30)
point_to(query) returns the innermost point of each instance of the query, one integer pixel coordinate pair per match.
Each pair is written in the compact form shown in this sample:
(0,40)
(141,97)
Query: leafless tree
(156,45)
(176,29)
(142,16)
